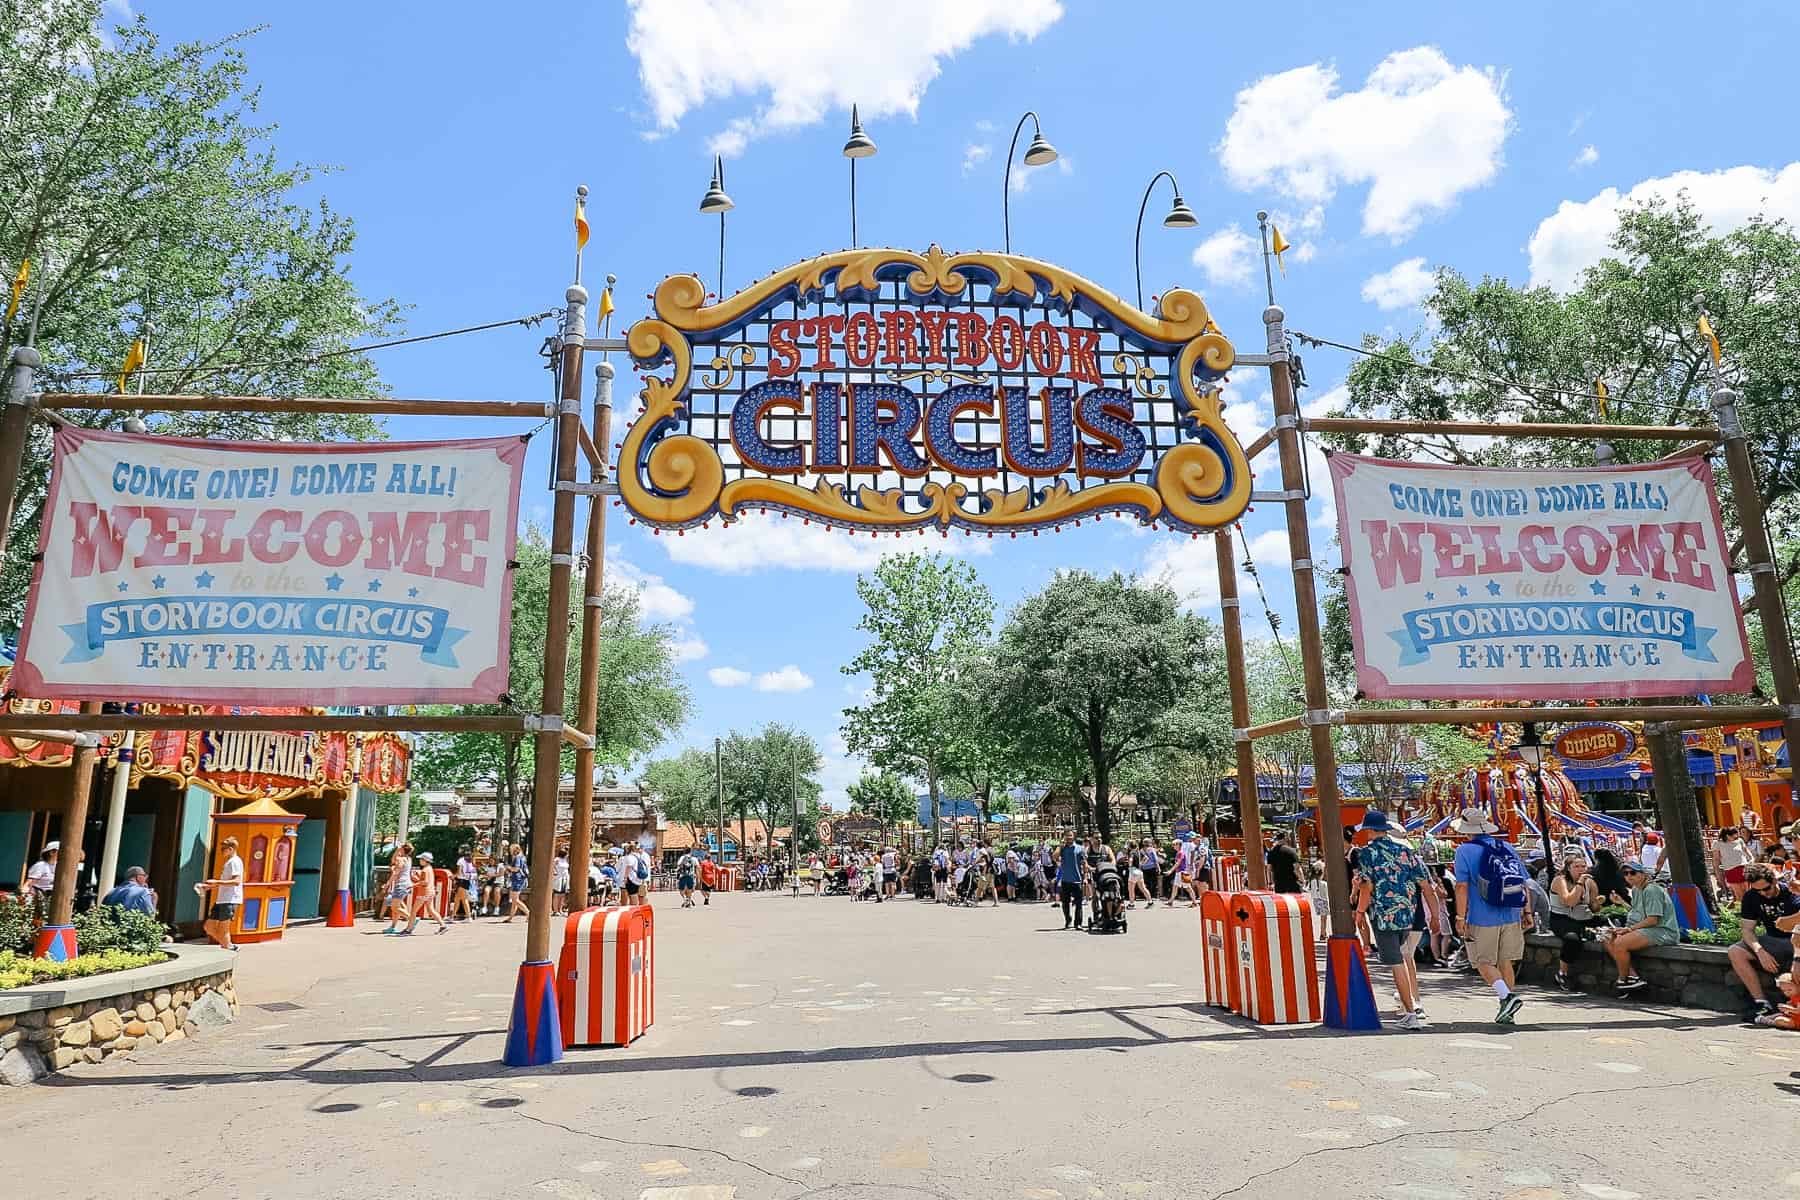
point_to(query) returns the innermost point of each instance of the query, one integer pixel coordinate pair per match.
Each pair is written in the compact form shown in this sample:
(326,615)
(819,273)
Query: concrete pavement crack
(601,1137)
(1527,1115)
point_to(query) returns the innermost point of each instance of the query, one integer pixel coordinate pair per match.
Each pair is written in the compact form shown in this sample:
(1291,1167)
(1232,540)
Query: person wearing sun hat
(1491,897)
(1389,878)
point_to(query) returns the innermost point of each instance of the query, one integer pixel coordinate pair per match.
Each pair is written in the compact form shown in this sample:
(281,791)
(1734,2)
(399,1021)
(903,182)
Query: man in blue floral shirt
(1389,876)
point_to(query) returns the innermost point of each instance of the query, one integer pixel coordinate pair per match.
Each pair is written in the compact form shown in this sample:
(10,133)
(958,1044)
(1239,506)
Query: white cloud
(1420,132)
(1401,286)
(1588,157)
(1270,548)
(728,677)
(657,601)
(1020,181)
(1188,565)
(1247,411)
(688,649)
(1228,257)
(787,679)
(1577,234)
(761,541)
(799,62)
(974,154)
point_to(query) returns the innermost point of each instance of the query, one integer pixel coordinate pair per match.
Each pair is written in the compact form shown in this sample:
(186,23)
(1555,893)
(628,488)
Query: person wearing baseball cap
(1651,922)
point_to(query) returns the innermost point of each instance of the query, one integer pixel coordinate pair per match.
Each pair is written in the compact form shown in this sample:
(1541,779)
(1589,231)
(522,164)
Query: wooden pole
(1249,800)
(581,827)
(366,406)
(15,423)
(547,776)
(1306,605)
(1759,560)
(1650,433)
(74,830)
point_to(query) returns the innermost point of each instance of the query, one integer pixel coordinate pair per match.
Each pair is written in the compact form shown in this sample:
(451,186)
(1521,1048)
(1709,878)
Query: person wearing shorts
(227,894)
(1651,922)
(399,889)
(684,879)
(1733,857)
(1495,934)
(1776,909)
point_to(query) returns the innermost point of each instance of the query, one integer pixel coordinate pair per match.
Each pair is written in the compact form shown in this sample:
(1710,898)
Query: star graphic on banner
(412,591)
(1431,595)
(204,579)
(159,583)
(1461,590)
(123,586)
(1662,595)
(374,585)
(1493,588)
(1636,590)
(333,582)
(1598,588)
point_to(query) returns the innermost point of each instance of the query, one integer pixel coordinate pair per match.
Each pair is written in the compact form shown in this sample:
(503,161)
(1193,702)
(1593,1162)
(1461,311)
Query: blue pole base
(534,1036)
(1349,997)
(55,942)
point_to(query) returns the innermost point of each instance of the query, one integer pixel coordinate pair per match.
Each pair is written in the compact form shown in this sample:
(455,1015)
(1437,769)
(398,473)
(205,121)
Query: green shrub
(19,919)
(444,843)
(1726,930)
(21,970)
(109,927)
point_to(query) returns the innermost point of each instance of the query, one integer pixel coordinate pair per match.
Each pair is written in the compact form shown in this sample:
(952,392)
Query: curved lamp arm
(1006,194)
(1137,243)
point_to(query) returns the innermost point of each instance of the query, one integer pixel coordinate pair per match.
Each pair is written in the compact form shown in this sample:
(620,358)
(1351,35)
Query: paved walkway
(861,1051)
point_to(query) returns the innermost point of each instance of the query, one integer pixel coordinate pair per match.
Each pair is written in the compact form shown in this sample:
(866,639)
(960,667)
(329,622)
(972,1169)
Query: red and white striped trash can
(606,979)
(1271,948)
(1228,873)
(1221,981)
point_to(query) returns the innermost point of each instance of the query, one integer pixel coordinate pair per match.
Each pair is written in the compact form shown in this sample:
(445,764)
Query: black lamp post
(1180,217)
(860,145)
(1531,751)
(716,201)
(1037,154)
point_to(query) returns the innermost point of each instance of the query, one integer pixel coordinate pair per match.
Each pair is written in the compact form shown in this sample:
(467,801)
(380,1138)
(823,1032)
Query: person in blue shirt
(134,894)
(1495,935)
(1069,862)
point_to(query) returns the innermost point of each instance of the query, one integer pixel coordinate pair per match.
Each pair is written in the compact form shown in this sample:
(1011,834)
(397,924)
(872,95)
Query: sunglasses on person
(1765,886)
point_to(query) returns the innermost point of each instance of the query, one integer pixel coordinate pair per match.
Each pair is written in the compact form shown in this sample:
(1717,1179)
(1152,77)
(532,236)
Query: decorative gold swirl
(682,465)
(1143,379)
(725,367)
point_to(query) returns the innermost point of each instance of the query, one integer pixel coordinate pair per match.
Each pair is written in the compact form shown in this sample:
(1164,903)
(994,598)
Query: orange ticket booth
(266,837)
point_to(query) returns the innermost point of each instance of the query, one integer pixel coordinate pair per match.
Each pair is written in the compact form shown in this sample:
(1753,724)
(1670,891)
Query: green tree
(642,697)
(924,615)
(135,180)
(884,796)
(685,789)
(1118,662)
(763,770)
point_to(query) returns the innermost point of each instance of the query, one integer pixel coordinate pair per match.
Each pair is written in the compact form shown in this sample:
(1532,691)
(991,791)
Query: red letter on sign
(99,544)
(1083,365)
(784,359)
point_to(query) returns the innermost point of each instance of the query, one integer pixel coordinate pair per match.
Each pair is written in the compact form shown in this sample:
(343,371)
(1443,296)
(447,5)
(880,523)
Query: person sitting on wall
(1777,910)
(1651,922)
(134,895)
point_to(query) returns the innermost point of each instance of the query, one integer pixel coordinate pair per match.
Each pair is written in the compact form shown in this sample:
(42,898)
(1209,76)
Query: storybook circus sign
(1543,584)
(238,573)
(883,390)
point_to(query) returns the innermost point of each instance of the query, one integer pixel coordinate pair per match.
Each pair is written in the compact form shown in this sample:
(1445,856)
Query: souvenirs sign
(250,573)
(884,390)
(1540,584)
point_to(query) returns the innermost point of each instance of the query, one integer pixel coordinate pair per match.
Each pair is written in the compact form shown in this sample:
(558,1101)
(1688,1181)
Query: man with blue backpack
(1491,899)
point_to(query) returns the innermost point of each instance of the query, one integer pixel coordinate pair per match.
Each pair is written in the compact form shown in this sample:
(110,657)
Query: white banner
(1492,583)
(251,573)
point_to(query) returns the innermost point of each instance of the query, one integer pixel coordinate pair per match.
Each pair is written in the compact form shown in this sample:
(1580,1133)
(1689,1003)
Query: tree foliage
(134,178)
(764,770)
(685,789)
(884,796)
(1116,665)
(925,616)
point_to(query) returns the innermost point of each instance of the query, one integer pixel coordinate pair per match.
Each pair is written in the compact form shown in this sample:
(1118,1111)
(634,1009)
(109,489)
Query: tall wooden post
(56,940)
(581,825)
(1249,801)
(1349,1000)
(534,1035)
(15,422)
(1759,559)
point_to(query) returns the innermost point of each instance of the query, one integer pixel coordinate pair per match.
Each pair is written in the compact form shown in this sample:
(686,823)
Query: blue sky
(1389,141)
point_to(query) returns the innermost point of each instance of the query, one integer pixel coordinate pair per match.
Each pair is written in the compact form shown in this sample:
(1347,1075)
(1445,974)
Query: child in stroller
(1109,895)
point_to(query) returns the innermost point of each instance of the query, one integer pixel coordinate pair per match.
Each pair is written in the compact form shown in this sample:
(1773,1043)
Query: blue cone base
(534,1036)
(1349,997)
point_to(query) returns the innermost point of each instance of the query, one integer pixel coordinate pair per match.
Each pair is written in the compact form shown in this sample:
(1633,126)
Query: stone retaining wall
(37,1042)
(1688,975)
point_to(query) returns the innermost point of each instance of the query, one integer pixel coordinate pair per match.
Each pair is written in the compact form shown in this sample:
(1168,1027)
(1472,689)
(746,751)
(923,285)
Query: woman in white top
(1731,856)
(399,887)
(1573,897)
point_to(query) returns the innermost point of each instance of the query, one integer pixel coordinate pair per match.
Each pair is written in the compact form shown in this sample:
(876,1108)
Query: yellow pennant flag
(581,225)
(18,288)
(606,304)
(1712,339)
(1278,244)
(134,358)
(1600,398)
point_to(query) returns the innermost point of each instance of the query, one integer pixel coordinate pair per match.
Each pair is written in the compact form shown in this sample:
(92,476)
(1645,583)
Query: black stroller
(1109,900)
(837,883)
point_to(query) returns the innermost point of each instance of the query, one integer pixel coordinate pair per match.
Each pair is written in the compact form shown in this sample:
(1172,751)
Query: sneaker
(1562,982)
(1509,1008)
(1419,1012)
(1631,983)
(1766,1020)
(1408,1021)
(1761,1008)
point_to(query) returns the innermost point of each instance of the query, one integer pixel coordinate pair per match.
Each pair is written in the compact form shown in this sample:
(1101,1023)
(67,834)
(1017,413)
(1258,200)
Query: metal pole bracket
(1322,716)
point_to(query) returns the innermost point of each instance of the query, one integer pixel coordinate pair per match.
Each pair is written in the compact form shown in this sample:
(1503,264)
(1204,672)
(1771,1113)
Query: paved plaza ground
(821,1047)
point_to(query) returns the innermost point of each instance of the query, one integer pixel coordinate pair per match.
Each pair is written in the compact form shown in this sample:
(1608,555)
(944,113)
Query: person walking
(1134,878)
(40,880)
(1490,904)
(559,882)
(425,895)
(1184,874)
(1730,857)
(462,901)
(1150,861)
(686,868)
(1070,861)
(518,879)
(1284,864)
(1389,878)
(227,895)
(399,887)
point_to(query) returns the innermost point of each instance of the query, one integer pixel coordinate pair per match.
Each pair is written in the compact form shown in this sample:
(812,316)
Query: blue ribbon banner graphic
(318,617)
(1445,624)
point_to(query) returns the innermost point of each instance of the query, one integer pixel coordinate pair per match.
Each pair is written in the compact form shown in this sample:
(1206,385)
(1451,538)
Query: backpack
(1500,876)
